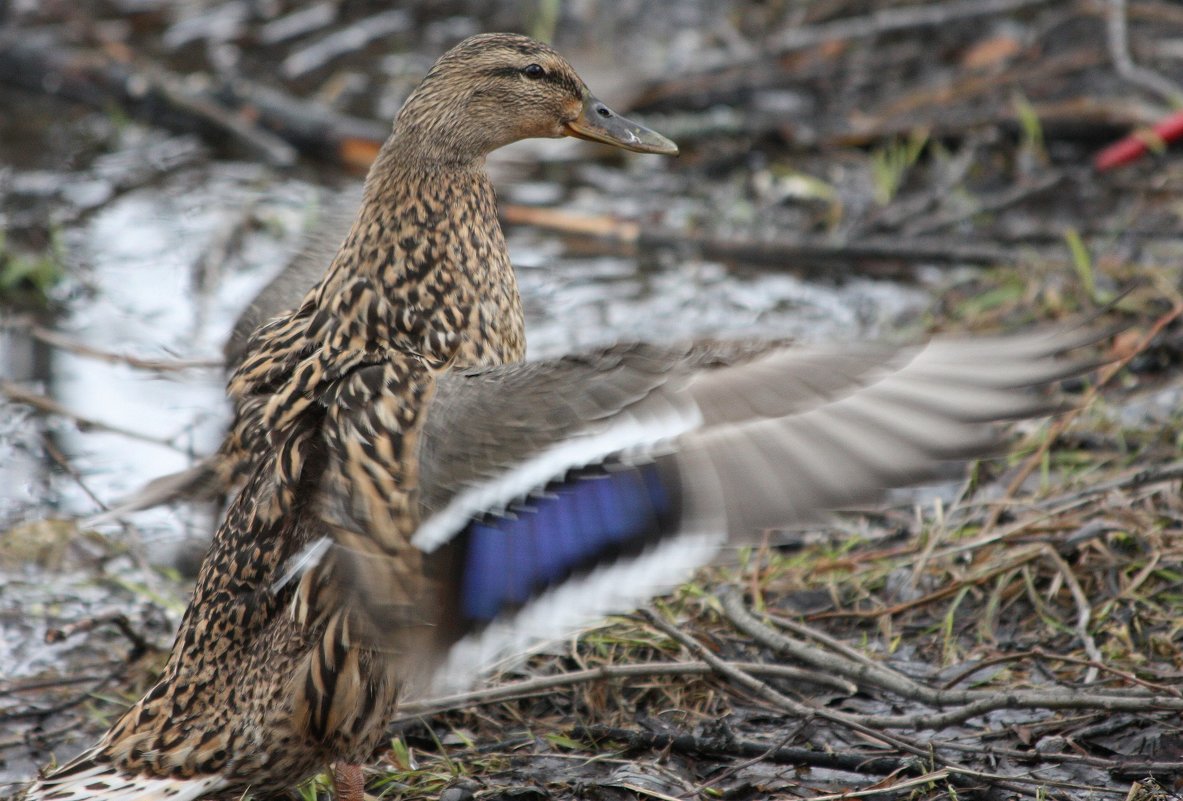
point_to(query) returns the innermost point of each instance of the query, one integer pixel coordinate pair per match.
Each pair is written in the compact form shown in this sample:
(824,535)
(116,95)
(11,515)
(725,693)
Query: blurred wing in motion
(554,492)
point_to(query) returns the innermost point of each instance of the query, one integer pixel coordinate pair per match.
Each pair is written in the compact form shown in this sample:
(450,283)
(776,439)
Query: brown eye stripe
(562,79)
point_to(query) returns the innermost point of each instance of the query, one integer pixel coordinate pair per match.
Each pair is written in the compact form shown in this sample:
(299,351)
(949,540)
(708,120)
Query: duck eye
(534,71)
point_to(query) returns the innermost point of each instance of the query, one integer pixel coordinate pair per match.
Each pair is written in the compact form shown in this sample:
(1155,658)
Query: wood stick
(266,123)
(888,256)
(19,394)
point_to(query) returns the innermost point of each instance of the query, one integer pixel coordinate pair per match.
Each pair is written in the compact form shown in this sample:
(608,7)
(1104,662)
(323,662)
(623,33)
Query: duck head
(497,88)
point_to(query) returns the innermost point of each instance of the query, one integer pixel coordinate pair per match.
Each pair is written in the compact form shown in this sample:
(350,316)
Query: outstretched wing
(556,491)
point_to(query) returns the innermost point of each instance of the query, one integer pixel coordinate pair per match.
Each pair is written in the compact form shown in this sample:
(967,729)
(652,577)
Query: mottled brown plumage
(255,695)
(415,505)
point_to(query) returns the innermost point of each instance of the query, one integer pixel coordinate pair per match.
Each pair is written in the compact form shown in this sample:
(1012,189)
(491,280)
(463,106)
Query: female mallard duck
(426,235)
(412,510)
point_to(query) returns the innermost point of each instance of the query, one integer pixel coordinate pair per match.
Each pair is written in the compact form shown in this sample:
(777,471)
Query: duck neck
(428,237)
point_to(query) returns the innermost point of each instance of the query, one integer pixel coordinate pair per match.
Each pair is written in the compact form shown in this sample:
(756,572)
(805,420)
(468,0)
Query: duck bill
(598,123)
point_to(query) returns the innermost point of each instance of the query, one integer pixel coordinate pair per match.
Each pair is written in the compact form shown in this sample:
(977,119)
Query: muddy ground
(849,169)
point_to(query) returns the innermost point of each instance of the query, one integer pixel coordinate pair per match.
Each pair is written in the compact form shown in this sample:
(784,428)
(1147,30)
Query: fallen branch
(18,394)
(967,703)
(61,461)
(528,688)
(634,739)
(880,256)
(45,712)
(63,342)
(40,64)
(1117,38)
(33,685)
(720,82)
(42,735)
(891,20)
(803,712)
(347,40)
(140,645)
(301,22)
(265,123)
(312,128)
(1118,766)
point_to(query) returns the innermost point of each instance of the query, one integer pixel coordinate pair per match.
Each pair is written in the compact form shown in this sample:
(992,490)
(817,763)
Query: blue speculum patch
(591,516)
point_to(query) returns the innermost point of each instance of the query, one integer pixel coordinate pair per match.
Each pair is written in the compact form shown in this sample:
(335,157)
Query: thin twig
(341,42)
(1117,37)
(634,739)
(1141,477)
(895,788)
(81,698)
(18,394)
(1084,612)
(40,735)
(803,711)
(732,770)
(1008,562)
(966,703)
(545,684)
(14,687)
(855,762)
(59,340)
(883,255)
(890,20)
(988,205)
(60,459)
(1124,675)
(139,644)
(1118,766)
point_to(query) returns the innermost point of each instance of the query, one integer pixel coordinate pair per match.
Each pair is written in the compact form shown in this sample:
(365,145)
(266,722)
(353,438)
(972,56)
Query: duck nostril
(604,111)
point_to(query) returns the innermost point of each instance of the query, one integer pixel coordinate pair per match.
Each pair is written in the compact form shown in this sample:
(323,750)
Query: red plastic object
(1134,146)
